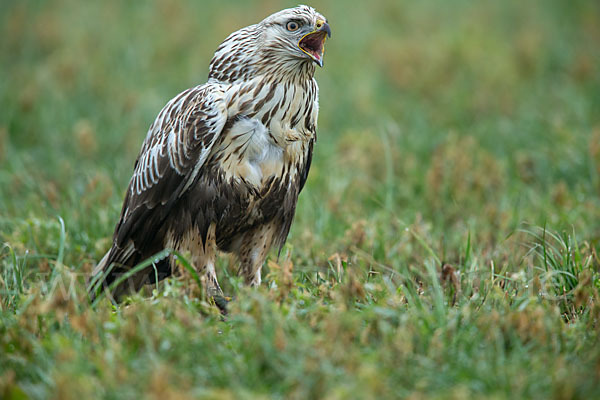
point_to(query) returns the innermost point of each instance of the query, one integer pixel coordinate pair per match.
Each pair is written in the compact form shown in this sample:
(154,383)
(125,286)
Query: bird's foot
(221,302)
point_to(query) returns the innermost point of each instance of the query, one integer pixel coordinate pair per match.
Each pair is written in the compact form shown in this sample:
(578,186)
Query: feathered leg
(203,260)
(253,251)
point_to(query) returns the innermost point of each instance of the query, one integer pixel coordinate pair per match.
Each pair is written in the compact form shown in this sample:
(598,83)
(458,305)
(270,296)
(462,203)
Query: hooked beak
(313,43)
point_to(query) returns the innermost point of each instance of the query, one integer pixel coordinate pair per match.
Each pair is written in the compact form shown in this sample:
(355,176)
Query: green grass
(446,245)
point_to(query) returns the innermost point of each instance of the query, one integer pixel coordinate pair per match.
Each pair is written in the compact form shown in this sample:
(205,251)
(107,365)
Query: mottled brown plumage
(223,164)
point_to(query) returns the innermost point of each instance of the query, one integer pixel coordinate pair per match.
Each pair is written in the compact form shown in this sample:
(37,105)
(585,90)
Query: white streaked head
(289,41)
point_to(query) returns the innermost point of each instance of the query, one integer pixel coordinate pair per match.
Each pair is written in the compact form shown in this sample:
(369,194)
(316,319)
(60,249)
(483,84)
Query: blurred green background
(461,121)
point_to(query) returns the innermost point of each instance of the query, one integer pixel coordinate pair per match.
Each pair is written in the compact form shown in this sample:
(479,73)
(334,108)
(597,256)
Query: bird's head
(296,33)
(291,40)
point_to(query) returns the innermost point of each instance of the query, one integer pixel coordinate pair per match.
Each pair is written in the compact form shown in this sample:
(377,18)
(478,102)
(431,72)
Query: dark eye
(292,26)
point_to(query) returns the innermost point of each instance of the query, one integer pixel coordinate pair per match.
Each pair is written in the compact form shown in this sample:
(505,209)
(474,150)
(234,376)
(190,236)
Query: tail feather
(117,262)
(113,265)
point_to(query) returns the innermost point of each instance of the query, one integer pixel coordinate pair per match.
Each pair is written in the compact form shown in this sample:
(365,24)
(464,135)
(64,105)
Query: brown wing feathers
(173,152)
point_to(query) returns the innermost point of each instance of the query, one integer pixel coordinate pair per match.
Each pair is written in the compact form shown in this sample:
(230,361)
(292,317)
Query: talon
(221,303)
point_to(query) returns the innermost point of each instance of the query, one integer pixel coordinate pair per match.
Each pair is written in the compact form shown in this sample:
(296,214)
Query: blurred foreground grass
(446,244)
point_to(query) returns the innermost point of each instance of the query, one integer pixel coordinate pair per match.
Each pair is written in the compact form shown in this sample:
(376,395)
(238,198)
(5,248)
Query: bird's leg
(203,258)
(253,251)
(213,290)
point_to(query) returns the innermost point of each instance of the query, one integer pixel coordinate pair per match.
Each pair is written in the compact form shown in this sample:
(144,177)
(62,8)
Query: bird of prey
(223,164)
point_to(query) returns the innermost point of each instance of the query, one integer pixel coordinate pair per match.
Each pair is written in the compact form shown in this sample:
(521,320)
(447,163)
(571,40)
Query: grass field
(446,244)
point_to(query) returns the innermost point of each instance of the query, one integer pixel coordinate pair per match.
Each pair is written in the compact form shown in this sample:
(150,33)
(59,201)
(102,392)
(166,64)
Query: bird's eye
(292,26)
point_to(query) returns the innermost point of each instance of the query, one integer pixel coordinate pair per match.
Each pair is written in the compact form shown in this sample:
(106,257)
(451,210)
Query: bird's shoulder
(181,135)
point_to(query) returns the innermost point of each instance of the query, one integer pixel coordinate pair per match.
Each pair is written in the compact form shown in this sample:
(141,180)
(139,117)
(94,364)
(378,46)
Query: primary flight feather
(223,164)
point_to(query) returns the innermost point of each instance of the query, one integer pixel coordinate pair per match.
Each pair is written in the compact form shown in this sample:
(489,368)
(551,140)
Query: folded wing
(173,154)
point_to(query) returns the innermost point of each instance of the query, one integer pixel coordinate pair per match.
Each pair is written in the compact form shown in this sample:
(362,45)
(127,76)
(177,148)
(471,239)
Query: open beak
(313,43)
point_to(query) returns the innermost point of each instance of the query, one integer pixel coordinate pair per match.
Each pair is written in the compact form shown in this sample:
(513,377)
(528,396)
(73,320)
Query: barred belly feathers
(223,164)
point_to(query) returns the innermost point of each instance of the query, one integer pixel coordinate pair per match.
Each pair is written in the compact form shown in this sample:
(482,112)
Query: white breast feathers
(249,153)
